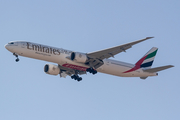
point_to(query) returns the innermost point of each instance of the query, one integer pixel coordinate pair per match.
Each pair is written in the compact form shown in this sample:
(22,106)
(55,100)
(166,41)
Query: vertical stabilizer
(147,60)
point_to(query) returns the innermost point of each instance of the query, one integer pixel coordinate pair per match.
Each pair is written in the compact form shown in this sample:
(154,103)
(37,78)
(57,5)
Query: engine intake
(79,57)
(51,69)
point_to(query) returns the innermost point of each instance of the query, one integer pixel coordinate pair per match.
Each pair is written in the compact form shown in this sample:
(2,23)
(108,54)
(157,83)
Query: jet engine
(79,57)
(51,69)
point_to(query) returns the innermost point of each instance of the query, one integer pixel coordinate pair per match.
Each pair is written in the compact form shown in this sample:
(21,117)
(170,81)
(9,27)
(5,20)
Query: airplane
(76,63)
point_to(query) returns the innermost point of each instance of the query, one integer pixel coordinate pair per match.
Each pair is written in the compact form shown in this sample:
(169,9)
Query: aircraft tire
(17,60)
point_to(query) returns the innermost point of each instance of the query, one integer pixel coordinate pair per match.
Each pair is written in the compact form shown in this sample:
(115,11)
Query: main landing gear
(91,70)
(76,77)
(17,59)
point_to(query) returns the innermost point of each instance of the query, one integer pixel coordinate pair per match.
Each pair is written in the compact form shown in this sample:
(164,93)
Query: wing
(96,58)
(107,53)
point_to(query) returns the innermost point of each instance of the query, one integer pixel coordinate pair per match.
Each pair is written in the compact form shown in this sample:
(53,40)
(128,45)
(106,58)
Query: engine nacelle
(79,57)
(51,69)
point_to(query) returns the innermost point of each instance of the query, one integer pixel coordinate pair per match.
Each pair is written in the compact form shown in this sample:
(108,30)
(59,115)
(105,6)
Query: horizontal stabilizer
(157,69)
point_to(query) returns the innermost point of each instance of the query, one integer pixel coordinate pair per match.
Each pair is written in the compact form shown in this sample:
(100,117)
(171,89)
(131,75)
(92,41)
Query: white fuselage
(60,56)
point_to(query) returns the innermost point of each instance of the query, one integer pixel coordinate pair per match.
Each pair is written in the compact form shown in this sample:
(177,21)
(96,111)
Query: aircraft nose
(8,47)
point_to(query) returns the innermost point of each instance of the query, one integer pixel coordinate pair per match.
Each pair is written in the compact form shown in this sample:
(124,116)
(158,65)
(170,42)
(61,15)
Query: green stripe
(151,54)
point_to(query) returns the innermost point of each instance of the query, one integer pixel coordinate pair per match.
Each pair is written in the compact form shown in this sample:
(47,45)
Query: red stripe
(137,65)
(141,61)
(133,69)
(75,67)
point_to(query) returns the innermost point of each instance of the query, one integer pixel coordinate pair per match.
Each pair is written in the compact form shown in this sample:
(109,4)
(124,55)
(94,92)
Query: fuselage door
(23,45)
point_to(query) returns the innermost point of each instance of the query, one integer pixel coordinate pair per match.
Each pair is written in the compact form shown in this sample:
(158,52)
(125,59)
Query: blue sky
(26,92)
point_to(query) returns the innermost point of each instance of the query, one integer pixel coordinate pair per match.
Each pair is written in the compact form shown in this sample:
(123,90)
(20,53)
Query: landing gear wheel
(91,70)
(94,72)
(79,79)
(76,77)
(17,59)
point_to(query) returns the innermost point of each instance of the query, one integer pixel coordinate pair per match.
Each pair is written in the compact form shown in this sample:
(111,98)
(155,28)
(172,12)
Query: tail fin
(147,60)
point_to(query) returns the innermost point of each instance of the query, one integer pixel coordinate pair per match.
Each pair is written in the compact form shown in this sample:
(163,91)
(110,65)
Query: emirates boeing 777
(76,63)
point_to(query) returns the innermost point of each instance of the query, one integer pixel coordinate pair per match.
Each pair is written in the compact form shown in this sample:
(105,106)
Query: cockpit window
(11,43)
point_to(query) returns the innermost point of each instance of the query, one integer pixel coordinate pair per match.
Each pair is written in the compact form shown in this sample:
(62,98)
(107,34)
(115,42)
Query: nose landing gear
(17,59)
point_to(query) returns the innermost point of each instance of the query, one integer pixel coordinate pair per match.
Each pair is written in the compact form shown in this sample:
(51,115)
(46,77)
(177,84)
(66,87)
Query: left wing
(95,58)
(107,53)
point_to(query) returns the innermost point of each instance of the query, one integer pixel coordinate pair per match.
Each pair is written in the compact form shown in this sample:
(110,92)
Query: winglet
(138,41)
(149,37)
